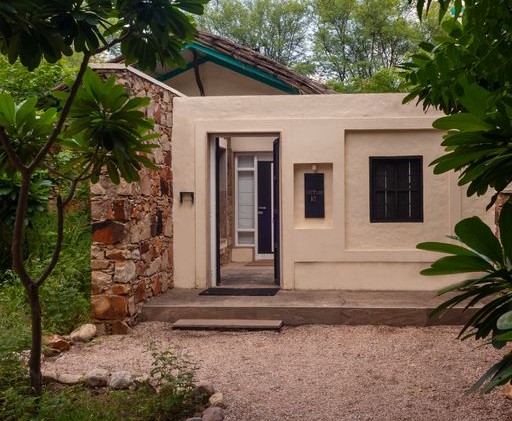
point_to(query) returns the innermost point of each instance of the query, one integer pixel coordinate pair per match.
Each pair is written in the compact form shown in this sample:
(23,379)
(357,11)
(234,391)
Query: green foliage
(355,39)
(276,29)
(354,44)
(108,127)
(173,375)
(466,74)
(105,126)
(95,124)
(383,80)
(22,83)
(481,251)
(40,191)
(65,296)
(149,32)
(174,399)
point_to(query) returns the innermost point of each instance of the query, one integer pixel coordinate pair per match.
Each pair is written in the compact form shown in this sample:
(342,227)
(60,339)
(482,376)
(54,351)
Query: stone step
(225,324)
(294,308)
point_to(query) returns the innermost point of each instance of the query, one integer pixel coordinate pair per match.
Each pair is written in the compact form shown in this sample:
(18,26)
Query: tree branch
(111,44)
(58,244)
(198,75)
(19,225)
(11,153)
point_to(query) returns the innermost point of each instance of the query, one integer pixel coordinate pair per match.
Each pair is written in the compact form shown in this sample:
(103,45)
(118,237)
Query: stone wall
(131,256)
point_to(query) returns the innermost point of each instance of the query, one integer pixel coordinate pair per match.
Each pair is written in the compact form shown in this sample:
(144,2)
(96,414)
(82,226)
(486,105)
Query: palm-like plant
(481,251)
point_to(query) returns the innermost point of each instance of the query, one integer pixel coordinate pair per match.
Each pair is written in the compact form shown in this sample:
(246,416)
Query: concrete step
(393,308)
(228,324)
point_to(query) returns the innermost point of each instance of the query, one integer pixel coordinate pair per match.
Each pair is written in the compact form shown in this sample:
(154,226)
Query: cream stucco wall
(337,133)
(218,80)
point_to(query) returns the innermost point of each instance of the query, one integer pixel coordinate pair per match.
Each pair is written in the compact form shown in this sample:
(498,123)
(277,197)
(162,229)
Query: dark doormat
(251,292)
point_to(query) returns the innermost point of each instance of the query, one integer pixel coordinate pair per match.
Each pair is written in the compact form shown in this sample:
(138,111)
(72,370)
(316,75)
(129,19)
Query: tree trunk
(36,383)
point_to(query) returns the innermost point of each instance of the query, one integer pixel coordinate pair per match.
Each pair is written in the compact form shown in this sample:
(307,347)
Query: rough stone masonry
(131,256)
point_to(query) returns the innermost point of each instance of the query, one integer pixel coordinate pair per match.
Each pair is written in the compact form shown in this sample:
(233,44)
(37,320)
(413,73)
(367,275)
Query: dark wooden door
(264,207)
(217,209)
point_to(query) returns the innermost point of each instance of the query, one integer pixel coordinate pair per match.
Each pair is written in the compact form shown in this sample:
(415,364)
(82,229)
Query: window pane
(246,199)
(246,238)
(245,161)
(395,190)
(404,205)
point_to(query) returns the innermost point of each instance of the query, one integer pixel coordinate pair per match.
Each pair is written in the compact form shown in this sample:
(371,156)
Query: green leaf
(445,248)
(478,236)
(503,376)
(457,264)
(462,121)
(7,109)
(505,225)
(488,374)
(475,99)
(505,321)
(113,173)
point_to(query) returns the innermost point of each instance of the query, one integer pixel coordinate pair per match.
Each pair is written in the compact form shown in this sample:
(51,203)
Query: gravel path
(319,372)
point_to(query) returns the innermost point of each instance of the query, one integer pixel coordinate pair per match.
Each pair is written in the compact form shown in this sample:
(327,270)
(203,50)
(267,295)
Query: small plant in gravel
(173,376)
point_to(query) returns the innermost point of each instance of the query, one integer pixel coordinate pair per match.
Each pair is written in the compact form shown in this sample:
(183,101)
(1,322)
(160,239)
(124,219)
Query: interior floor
(253,275)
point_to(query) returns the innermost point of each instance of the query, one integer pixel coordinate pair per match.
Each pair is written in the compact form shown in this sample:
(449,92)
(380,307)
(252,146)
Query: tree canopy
(353,45)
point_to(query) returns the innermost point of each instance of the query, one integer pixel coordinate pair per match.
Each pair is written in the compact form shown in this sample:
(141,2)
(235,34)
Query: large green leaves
(477,235)
(491,293)
(26,126)
(108,126)
(466,74)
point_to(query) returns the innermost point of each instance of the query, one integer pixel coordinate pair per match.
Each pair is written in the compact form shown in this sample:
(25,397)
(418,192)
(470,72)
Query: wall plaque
(314,195)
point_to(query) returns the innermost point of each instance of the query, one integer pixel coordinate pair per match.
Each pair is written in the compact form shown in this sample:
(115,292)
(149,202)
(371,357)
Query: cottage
(268,178)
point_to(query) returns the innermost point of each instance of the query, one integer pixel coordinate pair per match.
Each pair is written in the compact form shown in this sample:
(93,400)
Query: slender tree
(96,123)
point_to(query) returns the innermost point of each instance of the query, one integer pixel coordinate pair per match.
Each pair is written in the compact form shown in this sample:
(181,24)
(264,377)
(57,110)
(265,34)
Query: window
(245,200)
(396,189)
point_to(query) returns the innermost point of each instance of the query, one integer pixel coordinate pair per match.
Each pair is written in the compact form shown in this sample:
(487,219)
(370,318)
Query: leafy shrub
(173,375)
(65,296)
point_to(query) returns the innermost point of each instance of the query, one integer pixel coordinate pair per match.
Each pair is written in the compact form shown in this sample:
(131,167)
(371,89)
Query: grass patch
(65,296)
(168,395)
(79,403)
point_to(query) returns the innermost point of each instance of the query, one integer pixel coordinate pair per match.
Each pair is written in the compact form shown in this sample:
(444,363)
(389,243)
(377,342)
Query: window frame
(373,189)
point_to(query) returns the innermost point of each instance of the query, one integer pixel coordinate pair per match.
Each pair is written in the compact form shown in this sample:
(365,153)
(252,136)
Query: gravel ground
(318,372)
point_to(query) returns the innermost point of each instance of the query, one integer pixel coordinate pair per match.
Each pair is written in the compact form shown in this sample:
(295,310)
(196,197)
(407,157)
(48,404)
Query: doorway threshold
(250,292)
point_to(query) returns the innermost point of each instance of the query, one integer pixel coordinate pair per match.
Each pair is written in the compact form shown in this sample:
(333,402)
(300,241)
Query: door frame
(213,204)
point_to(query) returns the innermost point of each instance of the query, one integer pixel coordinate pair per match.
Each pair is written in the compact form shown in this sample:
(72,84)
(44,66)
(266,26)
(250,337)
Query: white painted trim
(122,66)
(213,211)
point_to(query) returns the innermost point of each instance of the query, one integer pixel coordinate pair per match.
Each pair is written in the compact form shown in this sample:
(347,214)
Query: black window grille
(396,189)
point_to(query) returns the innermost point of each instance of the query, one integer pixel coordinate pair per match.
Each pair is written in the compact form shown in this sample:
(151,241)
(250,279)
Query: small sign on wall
(314,195)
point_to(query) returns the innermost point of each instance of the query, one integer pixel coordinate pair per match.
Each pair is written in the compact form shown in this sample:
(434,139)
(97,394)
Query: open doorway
(244,211)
